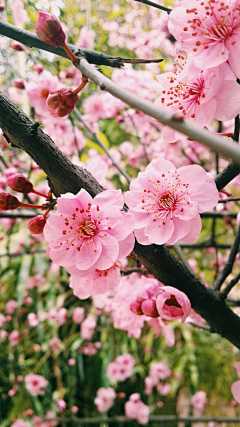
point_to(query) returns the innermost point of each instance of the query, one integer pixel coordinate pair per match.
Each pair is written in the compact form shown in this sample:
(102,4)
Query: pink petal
(228,101)
(236,391)
(109,198)
(126,246)
(181,229)
(161,165)
(88,254)
(195,229)
(109,253)
(159,233)
(141,237)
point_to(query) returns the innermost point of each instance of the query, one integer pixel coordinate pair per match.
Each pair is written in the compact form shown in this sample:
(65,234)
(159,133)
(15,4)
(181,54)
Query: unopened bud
(38,68)
(61,102)
(36,224)
(8,202)
(49,29)
(19,84)
(135,307)
(20,183)
(17,46)
(149,308)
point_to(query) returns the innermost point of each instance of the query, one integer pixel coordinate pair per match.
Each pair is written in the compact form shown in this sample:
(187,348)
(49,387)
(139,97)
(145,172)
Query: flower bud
(19,83)
(49,29)
(173,304)
(17,46)
(20,183)
(36,224)
(38,68)
(149,308)
(8,202)
(61,102)
(2,5)
(135,307)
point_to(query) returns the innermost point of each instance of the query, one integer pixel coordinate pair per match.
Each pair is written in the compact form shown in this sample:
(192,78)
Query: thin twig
(129,271)
(224,273)
(229,286)
(99,142)
(229,199)
(182,257)
(207,328)
(14,255)
(158,6)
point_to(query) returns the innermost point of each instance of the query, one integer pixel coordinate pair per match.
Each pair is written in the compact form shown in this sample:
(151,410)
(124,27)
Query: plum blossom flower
(121,368)
(14,337)
(198,400)
(78,314)
(11,306)
(49,29)
(89,233)
(35,384)
(88,326)
(135,409)
(166,202)
(105,399)
(213,93)
(96,283)
(173,304)
(210,29)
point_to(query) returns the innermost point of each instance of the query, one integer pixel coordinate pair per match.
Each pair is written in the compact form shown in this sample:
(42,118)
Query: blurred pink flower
(35,383)
(60,405)
(10,306)
(198,400)
(121,368)
(159,371)
(88,326)
(163,388)
(105,399)
(89,233)
(86,38)
(55,344)
(32,319)
(78,314)
(62,316)
(235,389)
(166,202)
(135,409)
(21,423)
(14,337)
(173,304)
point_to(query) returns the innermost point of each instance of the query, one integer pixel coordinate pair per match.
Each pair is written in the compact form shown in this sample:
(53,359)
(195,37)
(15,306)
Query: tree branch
(224,293)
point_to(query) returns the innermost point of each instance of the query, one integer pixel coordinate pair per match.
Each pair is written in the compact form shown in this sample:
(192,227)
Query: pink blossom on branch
(105,399)
(210,29)
(35,384)
(166,202)
(89,233)
(173,304)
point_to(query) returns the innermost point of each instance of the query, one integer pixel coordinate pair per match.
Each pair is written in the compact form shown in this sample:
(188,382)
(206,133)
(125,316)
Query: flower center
(45,93)
(167,200)
(172,302)
(87,229)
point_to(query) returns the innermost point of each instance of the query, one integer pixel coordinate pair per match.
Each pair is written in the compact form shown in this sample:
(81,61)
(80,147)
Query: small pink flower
(105,399)
(173,304)
(121,368)
(32,319)
(21,423)
(159,371)
(11,306)
(35,384)
(62,316)
(166,202)
(61,102)
(60,405)
(55,344)
(89,233)
(14,337)
(78,314)
(49,29)
(135,409)
(163,389)
(88,326)
(198,400)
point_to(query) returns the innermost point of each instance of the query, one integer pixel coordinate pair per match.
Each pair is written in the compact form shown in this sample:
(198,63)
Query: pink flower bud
(61,102)
(149,308)
(17,46)
(136,307)
(8,202)
(38,68)
(36,224)
(19,84)
(173,304)
(2,5)
(49,29)
(70,74)
(20,183)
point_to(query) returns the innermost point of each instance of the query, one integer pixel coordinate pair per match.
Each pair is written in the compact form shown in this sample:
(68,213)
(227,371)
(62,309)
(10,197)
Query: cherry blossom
(121,368)
(135,409)
(78,314)
(89,233)
(88,326)
(35,384)
(166,202)
(210,29)
(213,93)
(105,399)
(198,400)
(173,304)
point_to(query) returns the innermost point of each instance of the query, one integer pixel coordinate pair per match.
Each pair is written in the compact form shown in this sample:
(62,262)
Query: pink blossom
(173,304)
(213,93)
(86,38)
(72,362)
(135,409)
(105,399)
(32,319)
(35,384)
(121,368)
(14,337)
(166,202)
(62,316)
(55,344)
(88,326)
(198,400)
(78,314)
(159,371)
(96,283)
(60,405)
(89,233)
(210,30)
(163,389)
(235,389)
(2,319)
(10,306)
